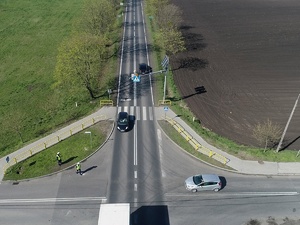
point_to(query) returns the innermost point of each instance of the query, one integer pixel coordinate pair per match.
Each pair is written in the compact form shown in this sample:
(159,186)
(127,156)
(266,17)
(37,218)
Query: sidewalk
(109,112)
(241,166)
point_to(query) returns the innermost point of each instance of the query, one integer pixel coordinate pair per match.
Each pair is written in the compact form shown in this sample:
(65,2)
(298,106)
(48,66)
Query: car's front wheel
(216,189)
(194,190)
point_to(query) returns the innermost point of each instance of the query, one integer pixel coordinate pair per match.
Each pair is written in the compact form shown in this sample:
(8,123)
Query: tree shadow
(193,41)
(198,90)
(191,63)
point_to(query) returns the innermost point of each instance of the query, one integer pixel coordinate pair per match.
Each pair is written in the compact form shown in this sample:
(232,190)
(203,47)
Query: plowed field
(242,65)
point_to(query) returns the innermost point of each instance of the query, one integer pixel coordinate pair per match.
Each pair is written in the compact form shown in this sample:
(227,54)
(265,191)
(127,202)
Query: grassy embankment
(31,33)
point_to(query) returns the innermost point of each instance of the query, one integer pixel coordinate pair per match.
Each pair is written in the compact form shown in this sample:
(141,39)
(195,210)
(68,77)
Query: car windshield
(197,179)
(123,120)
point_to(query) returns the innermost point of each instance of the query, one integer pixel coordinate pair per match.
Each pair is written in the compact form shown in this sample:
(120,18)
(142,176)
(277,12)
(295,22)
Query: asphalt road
(145,168)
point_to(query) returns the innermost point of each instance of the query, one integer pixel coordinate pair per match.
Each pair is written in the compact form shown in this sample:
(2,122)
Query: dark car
(144,68)
(123,121)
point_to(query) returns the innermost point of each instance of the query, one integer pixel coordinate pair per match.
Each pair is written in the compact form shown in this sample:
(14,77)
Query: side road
(241,166)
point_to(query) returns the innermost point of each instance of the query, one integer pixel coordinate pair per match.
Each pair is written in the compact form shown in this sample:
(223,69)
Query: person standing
(58,158)
(78,168)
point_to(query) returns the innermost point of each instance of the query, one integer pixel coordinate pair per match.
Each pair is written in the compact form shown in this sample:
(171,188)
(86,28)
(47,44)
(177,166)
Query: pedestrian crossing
(140,112)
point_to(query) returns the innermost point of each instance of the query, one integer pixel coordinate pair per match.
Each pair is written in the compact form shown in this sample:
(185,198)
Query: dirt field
(242,65)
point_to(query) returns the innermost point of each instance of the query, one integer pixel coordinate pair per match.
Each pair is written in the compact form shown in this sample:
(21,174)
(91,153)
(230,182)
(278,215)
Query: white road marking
(52,200)
(135,187)
(150,113)
(219,194)
(163,174)
(144,113)
(135,146)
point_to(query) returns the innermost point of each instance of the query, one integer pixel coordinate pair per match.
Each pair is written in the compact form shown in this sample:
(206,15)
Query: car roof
(143,65)
(210,177)
(123,114)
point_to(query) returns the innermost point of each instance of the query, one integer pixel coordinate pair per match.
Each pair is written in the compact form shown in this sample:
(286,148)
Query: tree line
(167,20)
(82,58)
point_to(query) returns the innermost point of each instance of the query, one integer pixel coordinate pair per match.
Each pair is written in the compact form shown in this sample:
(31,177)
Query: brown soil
(241,66)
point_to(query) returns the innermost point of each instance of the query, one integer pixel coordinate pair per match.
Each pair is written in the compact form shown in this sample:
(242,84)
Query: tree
(99,16)
(267,133)
(169,16)
(79,62)
(170,40)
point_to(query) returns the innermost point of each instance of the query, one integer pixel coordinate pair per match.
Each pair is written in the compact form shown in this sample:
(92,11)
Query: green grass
(73,149)
(31,32)
(180,141)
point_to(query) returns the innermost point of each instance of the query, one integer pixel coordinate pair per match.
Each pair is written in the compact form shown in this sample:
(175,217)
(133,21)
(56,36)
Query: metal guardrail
(106,102)
(164,102)
(53,140)
(197,146)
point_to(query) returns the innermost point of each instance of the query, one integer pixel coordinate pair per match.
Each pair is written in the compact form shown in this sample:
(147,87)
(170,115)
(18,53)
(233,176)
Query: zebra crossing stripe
(145,112)
(150,113)
(138,114)
(131,110)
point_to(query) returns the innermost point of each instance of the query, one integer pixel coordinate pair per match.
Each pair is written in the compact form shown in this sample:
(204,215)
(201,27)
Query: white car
(203,182)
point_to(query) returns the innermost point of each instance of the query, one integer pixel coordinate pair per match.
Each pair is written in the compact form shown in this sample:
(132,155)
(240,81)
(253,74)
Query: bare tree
(267,133)
(169,16)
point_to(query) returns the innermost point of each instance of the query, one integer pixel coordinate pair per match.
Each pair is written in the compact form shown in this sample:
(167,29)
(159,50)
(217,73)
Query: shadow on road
(88,169)
(149,215)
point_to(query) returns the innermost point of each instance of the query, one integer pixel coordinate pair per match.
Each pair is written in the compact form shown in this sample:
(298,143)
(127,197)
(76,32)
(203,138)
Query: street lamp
(90,133)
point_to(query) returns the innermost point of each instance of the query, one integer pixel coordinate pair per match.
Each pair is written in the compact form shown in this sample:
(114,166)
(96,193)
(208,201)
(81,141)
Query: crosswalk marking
(150,113)
(131,110)
(140,113)
(144,113)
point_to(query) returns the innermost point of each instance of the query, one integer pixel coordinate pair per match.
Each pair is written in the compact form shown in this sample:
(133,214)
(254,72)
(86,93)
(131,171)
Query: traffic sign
(136,78)
(165,62)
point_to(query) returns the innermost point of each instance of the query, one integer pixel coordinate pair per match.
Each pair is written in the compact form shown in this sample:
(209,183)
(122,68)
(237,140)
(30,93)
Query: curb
(67,168)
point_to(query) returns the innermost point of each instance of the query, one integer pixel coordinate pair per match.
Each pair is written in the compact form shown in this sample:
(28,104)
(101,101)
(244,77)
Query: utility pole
(287,124)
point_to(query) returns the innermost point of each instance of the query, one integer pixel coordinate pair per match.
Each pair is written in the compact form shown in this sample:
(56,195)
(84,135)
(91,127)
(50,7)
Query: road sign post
(109,92)
(166,108)
(165,65)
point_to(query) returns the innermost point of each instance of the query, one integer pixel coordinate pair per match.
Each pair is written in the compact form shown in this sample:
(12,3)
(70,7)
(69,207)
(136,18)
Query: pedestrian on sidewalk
(78,168)
(58,158)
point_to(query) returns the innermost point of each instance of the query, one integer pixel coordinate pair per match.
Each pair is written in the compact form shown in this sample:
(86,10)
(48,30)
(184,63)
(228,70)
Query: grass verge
(73,150)
(180,141)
